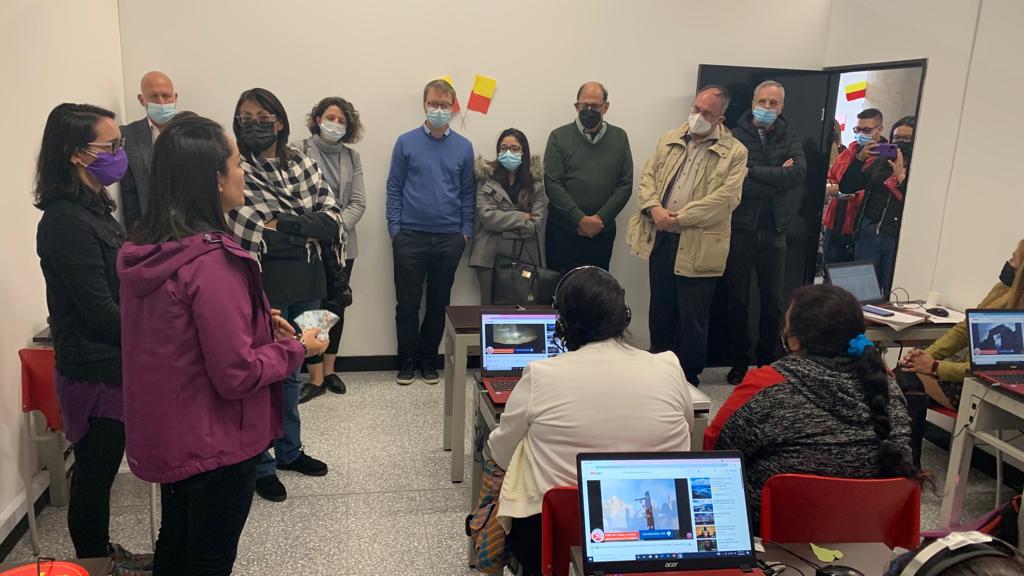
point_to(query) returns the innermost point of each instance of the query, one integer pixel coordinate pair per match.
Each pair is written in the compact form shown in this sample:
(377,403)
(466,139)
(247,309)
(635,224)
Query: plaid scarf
(297,189)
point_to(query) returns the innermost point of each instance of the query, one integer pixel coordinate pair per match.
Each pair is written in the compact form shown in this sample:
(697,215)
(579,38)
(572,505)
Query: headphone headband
(953,549)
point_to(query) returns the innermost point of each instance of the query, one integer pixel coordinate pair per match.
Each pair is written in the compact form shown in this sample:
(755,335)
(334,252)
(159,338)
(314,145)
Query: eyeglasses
(115,145)
(588,106)
(865,129)
(515,148)
(439,105)
(261,120)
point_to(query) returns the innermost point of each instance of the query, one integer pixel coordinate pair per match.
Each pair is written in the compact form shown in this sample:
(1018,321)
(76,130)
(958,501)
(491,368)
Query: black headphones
(937,556)
(559,324)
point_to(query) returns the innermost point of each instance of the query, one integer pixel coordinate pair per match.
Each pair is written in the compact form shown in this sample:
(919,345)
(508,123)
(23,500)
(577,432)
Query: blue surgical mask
(438,117)
(863,139)
(160,113)
(510,160)
(765,116)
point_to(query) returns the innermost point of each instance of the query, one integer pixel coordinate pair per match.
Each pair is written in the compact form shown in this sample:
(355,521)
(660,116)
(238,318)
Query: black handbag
(518,281)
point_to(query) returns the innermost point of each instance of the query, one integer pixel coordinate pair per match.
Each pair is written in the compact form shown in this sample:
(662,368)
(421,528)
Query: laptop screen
(509,341)
(664,511)
(997,338)
(857,278)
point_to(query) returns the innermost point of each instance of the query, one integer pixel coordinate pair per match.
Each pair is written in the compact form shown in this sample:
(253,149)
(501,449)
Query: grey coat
(500,227)
(350,192)
(138,146)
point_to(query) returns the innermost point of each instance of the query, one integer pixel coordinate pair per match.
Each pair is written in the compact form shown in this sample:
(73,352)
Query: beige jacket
(704,223)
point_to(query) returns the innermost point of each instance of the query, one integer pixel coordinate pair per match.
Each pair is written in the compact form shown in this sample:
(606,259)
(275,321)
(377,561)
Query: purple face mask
(108,168)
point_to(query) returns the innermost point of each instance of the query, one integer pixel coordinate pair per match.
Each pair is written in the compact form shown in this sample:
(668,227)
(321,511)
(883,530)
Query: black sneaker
(270,488)
(335,384)
(129,564)
(310,391)
(407,373)
(429,373)
(735,376)
(306,465)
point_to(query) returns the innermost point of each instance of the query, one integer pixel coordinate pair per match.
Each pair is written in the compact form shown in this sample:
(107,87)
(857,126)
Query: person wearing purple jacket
(203,354)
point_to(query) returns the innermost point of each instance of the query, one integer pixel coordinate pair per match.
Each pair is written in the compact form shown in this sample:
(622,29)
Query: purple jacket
(201,368)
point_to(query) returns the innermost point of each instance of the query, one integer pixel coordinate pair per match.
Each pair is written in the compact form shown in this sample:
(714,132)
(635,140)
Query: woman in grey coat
(334,124)
(510,208)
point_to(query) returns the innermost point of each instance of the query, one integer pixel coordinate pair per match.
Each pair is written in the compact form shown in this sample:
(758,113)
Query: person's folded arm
(538,211)
(322,224)
(719,204)
(515,420)
(623,189)
(78,260)
(554,183)
(783,178)
(494,219)
(222,308)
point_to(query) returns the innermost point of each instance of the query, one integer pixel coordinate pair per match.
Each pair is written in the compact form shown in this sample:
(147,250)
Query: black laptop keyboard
(502,384)
(1010,378)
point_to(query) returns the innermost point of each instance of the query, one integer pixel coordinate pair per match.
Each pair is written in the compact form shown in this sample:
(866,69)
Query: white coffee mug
(933,300)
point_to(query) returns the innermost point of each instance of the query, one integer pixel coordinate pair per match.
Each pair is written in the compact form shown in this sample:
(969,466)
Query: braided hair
(825,319)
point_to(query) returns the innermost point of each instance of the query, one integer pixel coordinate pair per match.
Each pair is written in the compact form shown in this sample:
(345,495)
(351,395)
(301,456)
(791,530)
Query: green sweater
(583,179)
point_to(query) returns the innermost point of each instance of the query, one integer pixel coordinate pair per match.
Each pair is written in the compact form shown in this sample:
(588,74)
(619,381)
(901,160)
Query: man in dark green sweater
(588,176)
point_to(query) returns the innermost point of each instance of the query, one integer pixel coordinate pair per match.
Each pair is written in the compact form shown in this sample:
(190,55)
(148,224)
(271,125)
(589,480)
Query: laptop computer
(997,347)
(665,513)
(509,340)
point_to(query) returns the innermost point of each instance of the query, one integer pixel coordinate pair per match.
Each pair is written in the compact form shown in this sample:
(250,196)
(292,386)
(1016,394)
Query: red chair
(39,395)
(807,508)
(560,529)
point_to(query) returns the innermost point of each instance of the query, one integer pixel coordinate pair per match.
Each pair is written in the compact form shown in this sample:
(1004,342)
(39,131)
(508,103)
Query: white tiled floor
(387,506)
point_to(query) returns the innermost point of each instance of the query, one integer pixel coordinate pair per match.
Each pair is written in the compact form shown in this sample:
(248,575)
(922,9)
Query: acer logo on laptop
(671,564)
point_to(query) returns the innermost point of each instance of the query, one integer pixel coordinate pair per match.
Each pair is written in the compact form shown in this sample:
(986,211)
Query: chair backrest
(560,529)
(37,388)
(807,508)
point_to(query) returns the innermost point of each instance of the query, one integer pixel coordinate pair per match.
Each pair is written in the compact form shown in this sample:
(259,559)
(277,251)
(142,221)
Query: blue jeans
(287,447)
(880,249)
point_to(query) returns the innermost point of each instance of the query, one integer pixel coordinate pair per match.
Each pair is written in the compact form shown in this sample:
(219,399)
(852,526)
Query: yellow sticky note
(825,554)
(484,86)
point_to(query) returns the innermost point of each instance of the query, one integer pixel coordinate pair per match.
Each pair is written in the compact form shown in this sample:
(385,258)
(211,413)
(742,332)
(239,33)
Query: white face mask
(332,131)
(698,125)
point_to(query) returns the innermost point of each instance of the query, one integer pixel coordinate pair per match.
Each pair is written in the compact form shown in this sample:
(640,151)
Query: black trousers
(97,457)
(434,258)
(567,250)
(680,307)
(335,334)
(524,544)
(202,518)
(765,252)
(917,408)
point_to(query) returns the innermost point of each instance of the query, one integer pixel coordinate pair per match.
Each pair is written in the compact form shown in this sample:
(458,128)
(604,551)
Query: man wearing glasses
(687,193)
(588,177)
(157,96)
(840,219)
(431,200)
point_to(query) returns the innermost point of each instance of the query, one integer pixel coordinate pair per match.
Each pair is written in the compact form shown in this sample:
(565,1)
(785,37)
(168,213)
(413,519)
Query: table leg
(449,379)
(458,405)
(960,451)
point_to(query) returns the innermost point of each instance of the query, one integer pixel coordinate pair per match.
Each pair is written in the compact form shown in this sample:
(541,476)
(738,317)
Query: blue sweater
(431,187)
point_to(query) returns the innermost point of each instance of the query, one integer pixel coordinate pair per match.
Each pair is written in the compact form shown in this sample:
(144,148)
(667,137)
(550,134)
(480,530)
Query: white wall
(382,53)
(906,30)
(983,217)
(52,52)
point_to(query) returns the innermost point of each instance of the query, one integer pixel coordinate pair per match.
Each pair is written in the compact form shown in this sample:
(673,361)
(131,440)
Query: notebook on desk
(509,340)
(665,513)
(997,347)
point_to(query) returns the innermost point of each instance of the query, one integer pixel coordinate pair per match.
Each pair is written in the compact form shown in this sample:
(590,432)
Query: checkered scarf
(297,189)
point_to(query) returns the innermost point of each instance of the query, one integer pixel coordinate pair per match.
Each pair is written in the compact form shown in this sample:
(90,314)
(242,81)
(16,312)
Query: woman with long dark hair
(203,352)
(77,241)
(510,208)
(852,417)
(334,124)
(602,395)
(289,219)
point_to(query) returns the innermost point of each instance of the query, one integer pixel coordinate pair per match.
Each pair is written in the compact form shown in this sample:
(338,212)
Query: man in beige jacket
(688,190)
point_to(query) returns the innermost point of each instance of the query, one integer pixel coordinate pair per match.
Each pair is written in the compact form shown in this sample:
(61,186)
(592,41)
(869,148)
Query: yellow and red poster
(483,92)
(856,91)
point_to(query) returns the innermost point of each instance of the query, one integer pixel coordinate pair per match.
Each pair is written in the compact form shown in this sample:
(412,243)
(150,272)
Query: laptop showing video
(997,345)
(511,340)
(857,278)
(660,512)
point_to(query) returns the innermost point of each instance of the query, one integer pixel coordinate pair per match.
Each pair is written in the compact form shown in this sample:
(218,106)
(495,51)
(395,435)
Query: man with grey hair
(158,98)
(688,190)
(771,194)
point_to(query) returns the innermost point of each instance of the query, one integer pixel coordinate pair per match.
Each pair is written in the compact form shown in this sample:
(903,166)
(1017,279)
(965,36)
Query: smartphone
(886,151)
(878,311)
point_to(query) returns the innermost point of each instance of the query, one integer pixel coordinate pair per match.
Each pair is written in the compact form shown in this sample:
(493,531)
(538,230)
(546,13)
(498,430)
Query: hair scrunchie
(858,345)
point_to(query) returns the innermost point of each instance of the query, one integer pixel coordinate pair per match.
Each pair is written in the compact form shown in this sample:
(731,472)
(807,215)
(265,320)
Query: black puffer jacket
(768,185)
(77,244)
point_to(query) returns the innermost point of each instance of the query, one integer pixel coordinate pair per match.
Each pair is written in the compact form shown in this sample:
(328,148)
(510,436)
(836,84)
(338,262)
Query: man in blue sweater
(430,206)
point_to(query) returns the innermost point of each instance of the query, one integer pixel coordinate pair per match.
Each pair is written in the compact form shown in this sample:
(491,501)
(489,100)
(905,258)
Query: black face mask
(258,138)
(905,148)
(1007,275)
(590,118)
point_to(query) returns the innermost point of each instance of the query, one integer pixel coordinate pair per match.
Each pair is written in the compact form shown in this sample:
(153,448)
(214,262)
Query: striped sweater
(806,416)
